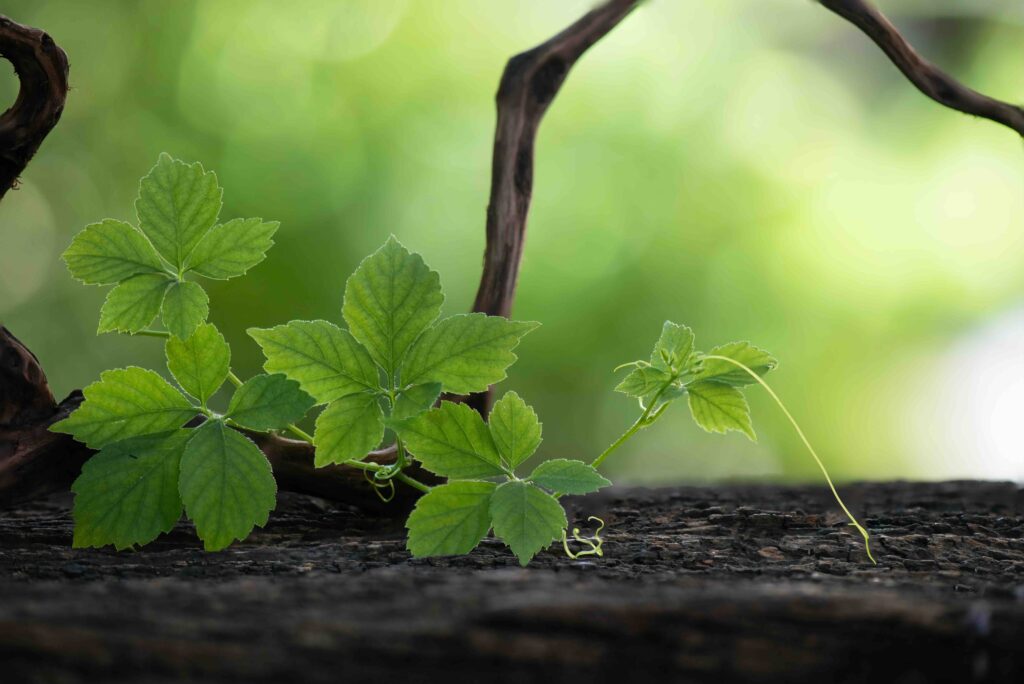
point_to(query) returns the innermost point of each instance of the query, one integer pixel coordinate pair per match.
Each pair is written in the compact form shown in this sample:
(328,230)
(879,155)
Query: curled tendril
(383,487)
(594,543)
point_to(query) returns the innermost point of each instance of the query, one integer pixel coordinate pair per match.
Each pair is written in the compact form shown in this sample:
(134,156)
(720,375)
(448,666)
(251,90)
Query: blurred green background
(755,169)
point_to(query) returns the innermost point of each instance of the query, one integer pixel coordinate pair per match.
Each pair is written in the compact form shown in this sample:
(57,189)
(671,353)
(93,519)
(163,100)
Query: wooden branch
(42,69)
(929,79)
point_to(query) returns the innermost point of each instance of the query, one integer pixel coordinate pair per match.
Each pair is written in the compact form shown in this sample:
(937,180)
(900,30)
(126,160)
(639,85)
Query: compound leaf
(757,360)
(515,429)
(526,518)
(347,429)
(133,304)
(185,307)
(232,248)
(268,402)
(452,441)
(718,407)
(568,477)
(110,251)
(451,519)
(201,362)
(414,400)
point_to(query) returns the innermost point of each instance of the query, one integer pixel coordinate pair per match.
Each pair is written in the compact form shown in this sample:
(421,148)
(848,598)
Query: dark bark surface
(730,583)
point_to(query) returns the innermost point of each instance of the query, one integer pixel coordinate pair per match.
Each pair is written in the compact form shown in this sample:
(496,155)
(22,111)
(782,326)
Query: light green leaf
(643,381)
(327,361)
(347,429)
(515,429)
(231,249)
(674,348)
(110,251)
(127,494)
(526,518)
(268,402)
(717,407)
(177,204)
(185,307)
(757,360)
(465,353)
(226,485)
(133,304)
(452,441)
(390,299)
(451,519)
(200,363)
(415,400)
(126,402)
(568,477)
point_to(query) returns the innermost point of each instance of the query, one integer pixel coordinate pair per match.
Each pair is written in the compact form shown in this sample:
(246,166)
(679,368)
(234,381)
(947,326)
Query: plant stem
(636,427)
(234,379)
(153,333)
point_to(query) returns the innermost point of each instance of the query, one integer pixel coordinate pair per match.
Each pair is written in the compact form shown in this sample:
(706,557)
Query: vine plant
(163,449)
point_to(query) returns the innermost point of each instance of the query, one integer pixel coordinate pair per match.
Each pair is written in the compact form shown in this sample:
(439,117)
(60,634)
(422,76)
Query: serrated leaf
(526,518)
(414,400)
(758,360)
(515,429)
(110,251)
(674,348)
(226,485)
(390,299)
(185,307)
(466,352)
(232,248)
(568,477)
(133,304)
(127,494)
(327,361)
(268,402)
(126,402)
(718,407)
(643,381)
(451,519)
(177,204)
(452,441)
(347,429)
(201,362)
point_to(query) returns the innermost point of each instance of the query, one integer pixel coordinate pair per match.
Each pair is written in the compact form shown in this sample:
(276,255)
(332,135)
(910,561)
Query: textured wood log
(750,584)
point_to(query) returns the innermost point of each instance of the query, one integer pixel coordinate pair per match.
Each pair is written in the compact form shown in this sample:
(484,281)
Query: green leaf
(226,485)
(465,353)
(515,429)
(526,518)
(568,477)
(674,348)
(110,251)
(177,204)
(231,249)
(390,299)
(451,519)
(347,429)
(127,494)
(414,400)
(327,361)
(132,305)
(452,441)
(717,407)
(757,360)
(268,402)
(200,363)
(643,381)
(126,402)
(185,307)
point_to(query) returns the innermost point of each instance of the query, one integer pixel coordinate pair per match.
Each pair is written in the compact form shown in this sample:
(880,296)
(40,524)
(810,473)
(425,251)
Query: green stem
(234,379)
(636,427)
(153,333)
(807,443)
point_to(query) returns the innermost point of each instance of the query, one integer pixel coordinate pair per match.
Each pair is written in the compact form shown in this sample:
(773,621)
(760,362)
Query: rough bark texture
(759,584)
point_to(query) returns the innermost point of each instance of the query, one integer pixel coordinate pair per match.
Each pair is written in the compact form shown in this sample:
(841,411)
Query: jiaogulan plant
(381,375)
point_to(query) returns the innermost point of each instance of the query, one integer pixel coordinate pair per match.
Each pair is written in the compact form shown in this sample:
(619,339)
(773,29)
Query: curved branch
(928,78)
(42,69)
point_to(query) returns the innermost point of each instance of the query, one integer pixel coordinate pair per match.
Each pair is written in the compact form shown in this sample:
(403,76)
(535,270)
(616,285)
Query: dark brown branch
(929,79)
(42,69)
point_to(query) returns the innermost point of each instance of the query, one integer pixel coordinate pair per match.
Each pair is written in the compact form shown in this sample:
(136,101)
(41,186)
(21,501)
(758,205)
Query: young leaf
(390,299)
(674,348)
(717,407)
(415,400)
(757,360)
(110,251)
(526,518)
(515,429)
(327,361)
(231,249)
(568,477)
(643,381)
(226,485)
(126,402)
(177,204)
(132,305)
(200,363)
(466,352)
(185,307)
(268,402)
(127,494)
(347,429)
(452,441)
(451,519)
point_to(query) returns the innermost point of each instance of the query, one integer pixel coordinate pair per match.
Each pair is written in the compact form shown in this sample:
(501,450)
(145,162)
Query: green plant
(377,380)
